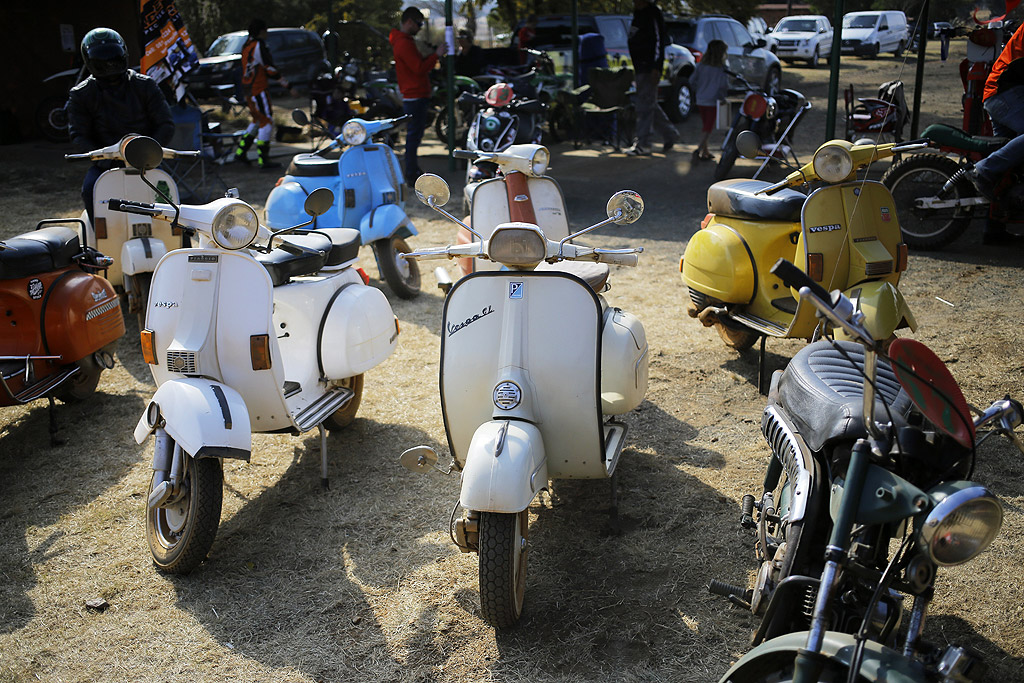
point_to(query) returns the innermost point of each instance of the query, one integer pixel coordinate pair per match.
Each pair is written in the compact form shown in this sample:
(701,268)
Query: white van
(871,33)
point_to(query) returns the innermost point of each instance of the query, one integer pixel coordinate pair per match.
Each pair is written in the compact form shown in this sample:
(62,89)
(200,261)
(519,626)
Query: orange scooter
(60,318)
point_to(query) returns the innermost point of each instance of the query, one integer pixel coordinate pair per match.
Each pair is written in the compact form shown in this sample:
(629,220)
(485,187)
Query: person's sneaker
(667,147)
(637,151)
(982,185)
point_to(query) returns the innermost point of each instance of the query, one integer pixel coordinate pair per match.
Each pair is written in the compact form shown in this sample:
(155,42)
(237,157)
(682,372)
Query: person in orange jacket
(257,69)
(413,71)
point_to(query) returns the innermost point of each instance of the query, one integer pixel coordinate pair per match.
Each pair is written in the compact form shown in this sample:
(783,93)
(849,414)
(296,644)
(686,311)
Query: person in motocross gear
(647,50)
(257,68)
(113,102)
(413,72)
(1004,102)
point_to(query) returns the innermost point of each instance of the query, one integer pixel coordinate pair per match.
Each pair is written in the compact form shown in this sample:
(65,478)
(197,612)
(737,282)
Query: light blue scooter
(369,191)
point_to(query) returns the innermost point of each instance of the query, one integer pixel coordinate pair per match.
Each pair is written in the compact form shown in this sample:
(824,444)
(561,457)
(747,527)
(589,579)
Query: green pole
(922,29)
(449,36)
(575,44)
(833,79)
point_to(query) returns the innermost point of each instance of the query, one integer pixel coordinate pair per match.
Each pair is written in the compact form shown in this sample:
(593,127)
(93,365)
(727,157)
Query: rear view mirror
(143,153)
(299,116)
(429,185)
(748,144)
(319,201)
(629,203)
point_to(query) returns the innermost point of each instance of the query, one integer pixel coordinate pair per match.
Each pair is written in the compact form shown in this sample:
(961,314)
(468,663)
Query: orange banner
(168,52)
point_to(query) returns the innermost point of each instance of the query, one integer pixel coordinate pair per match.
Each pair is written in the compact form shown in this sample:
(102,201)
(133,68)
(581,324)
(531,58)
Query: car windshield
(230,44)
(797,26)
(863,21)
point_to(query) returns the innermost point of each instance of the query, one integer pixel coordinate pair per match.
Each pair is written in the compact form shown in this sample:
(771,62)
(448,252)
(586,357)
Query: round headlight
(962,525)
(832,164)
(517,244)
(353,133)
(235,226)
(540,161)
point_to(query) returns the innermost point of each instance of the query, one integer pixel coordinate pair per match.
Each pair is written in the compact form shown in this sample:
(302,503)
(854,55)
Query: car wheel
(875,49)
(679,103)
(815,59)
(773,81)
(899,50)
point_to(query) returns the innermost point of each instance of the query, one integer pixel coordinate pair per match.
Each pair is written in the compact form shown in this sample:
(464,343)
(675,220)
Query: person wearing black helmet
(113,102)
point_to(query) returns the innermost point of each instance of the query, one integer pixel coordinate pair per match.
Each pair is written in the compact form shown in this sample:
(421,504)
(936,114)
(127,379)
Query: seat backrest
(610,87)
(188,128)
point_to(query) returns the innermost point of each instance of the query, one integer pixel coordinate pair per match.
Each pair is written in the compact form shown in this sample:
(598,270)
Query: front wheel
(924,175)
(815,59)
(181,532)
(503,551)
(343,416)
(729,151)
(402,275)
(773,81)
(136,288)
(679,104)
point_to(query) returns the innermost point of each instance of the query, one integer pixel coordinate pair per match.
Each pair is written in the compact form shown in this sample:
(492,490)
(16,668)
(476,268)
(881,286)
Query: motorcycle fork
(168,464)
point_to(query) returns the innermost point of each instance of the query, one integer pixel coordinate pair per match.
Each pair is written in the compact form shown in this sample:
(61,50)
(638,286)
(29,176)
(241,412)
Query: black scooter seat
(824,393)
(312,166)
(297,255)
(736,199)
(42,251)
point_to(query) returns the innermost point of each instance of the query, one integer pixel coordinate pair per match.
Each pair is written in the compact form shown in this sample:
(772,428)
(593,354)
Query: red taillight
(697,54)
(707,219)
(755,106)
(362,274)
(902,257)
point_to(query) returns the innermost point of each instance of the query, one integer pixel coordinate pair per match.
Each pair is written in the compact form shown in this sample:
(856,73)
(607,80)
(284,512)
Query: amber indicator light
(148,346)
(259,350)
(816,267)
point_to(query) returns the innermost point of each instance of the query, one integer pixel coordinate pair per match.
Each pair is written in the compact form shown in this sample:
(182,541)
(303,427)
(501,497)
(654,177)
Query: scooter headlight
(540,160)
(235,226)
(832,163)
(517,244)
(963,523)
(353,133)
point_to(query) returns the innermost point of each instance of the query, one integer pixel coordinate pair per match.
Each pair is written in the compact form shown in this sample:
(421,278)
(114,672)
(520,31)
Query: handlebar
(128,206)
(835,307)
(466,154)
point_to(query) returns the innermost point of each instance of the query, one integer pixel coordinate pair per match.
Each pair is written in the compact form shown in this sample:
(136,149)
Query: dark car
(299,55)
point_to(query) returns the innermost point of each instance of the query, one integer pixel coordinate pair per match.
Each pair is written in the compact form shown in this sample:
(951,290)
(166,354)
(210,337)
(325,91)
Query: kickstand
(54,441)
(613,510)
(760,368)
(324,482)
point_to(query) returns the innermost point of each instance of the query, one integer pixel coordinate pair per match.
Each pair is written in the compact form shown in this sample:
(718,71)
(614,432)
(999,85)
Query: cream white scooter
(535,367)
(240,339)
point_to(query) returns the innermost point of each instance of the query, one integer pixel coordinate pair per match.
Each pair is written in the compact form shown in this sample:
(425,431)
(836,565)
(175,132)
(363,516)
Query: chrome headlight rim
(507,231)
(938,521)
(540,160)
(353,133)
(840,157)
(226,222)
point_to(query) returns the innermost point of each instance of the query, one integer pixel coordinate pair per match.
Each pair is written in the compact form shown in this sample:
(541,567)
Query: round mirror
(430,185)
(143,153)
(318,201)
(299,117)
(418,459)
(629,202)
(748,144)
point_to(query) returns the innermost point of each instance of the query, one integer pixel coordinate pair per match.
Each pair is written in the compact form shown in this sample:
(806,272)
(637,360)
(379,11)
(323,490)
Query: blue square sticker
(515,290)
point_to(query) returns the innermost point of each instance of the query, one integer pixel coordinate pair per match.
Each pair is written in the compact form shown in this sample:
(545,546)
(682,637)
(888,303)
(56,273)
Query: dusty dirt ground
(361,582)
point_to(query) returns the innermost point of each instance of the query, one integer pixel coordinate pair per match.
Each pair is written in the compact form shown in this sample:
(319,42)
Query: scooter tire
(401,275)
(503,552)
(342,417)
(181,535)
(82,385)
(728,159)
(923,175)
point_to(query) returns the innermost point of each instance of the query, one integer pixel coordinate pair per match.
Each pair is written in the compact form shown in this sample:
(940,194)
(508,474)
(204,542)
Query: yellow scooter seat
(736,198)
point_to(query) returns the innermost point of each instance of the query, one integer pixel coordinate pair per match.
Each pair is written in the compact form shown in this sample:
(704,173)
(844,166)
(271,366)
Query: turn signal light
(259,351)
(680,264)
(901,257)
(707,219)
(816,267)
(148,346)
(279,181)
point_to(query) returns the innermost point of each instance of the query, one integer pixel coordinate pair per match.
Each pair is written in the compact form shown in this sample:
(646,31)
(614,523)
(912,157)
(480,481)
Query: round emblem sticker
(507,395)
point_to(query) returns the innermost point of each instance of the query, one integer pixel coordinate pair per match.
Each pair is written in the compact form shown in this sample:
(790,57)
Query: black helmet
(105,54)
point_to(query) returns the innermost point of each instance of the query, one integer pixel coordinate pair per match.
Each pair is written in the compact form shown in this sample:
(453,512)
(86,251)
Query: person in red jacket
(413,71)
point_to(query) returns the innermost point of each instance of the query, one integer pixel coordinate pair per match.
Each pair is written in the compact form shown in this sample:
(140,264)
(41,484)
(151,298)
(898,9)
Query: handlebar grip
(793,277)
(619,259)
(126,206)
(463,154)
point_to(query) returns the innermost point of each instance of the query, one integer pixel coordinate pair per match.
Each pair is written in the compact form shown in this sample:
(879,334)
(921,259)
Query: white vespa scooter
(138,242)
(241,343)
(534,368)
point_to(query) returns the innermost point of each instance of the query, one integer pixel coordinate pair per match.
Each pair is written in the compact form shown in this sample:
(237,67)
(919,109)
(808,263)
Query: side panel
(718,262)
(505,467)
(200,413)
(285,203)
(541,331)
(82,314)
(359,332)
(385,221)
(141,255)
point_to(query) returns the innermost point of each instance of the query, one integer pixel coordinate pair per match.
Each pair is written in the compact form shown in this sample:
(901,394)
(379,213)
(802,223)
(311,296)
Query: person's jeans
(649,116)
(417,110)
(1007,113)
(88,185)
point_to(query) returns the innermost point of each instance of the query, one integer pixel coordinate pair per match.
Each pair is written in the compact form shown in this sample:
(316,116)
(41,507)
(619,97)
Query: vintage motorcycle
(369,189)
(535,368)
(935,196)
(242,338)
(62,319)
(773,117)
(868,454)
(138,241)
(845,235)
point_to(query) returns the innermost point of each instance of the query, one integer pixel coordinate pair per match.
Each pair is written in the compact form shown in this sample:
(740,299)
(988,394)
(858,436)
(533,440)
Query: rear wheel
(402,275)
(503,553)
(181,532)
(729,155)
(923,175)
(342,417)
(679,104)
(899,50)
(773,81)
(82,384)
(52,119)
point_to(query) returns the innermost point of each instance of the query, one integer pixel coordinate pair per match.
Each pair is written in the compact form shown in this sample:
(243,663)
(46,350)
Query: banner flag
(168,51)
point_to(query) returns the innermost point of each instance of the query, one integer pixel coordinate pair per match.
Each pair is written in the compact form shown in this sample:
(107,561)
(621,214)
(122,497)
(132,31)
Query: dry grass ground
(360,583)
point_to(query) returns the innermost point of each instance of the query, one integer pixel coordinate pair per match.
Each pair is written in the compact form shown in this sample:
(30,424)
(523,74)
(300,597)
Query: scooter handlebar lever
(127,206)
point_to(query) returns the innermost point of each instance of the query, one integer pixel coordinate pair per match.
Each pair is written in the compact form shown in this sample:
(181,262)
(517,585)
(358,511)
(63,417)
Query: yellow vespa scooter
(845,235)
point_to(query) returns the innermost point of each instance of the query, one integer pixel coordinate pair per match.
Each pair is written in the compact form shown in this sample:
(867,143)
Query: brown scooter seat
(735,198)
(297,255)
(594,274)
(37,252)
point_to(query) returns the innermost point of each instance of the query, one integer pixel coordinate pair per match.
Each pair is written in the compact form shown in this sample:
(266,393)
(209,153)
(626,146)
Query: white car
(805,37)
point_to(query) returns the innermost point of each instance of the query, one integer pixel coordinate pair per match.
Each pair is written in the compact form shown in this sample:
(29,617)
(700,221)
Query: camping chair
(608,112)
(869,116)
(197,177)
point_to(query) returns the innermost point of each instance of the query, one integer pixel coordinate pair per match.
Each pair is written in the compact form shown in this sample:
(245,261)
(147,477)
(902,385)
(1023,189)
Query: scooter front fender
(885,310)
(140,255)
(385,221)
(207,419)
(505,467)
(879,663)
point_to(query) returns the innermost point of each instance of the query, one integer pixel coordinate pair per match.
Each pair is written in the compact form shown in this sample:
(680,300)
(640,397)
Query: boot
(263,155)
(244,143)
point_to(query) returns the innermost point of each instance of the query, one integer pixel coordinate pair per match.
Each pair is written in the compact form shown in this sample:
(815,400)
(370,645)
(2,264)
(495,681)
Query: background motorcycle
(51,113)
(865,451)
